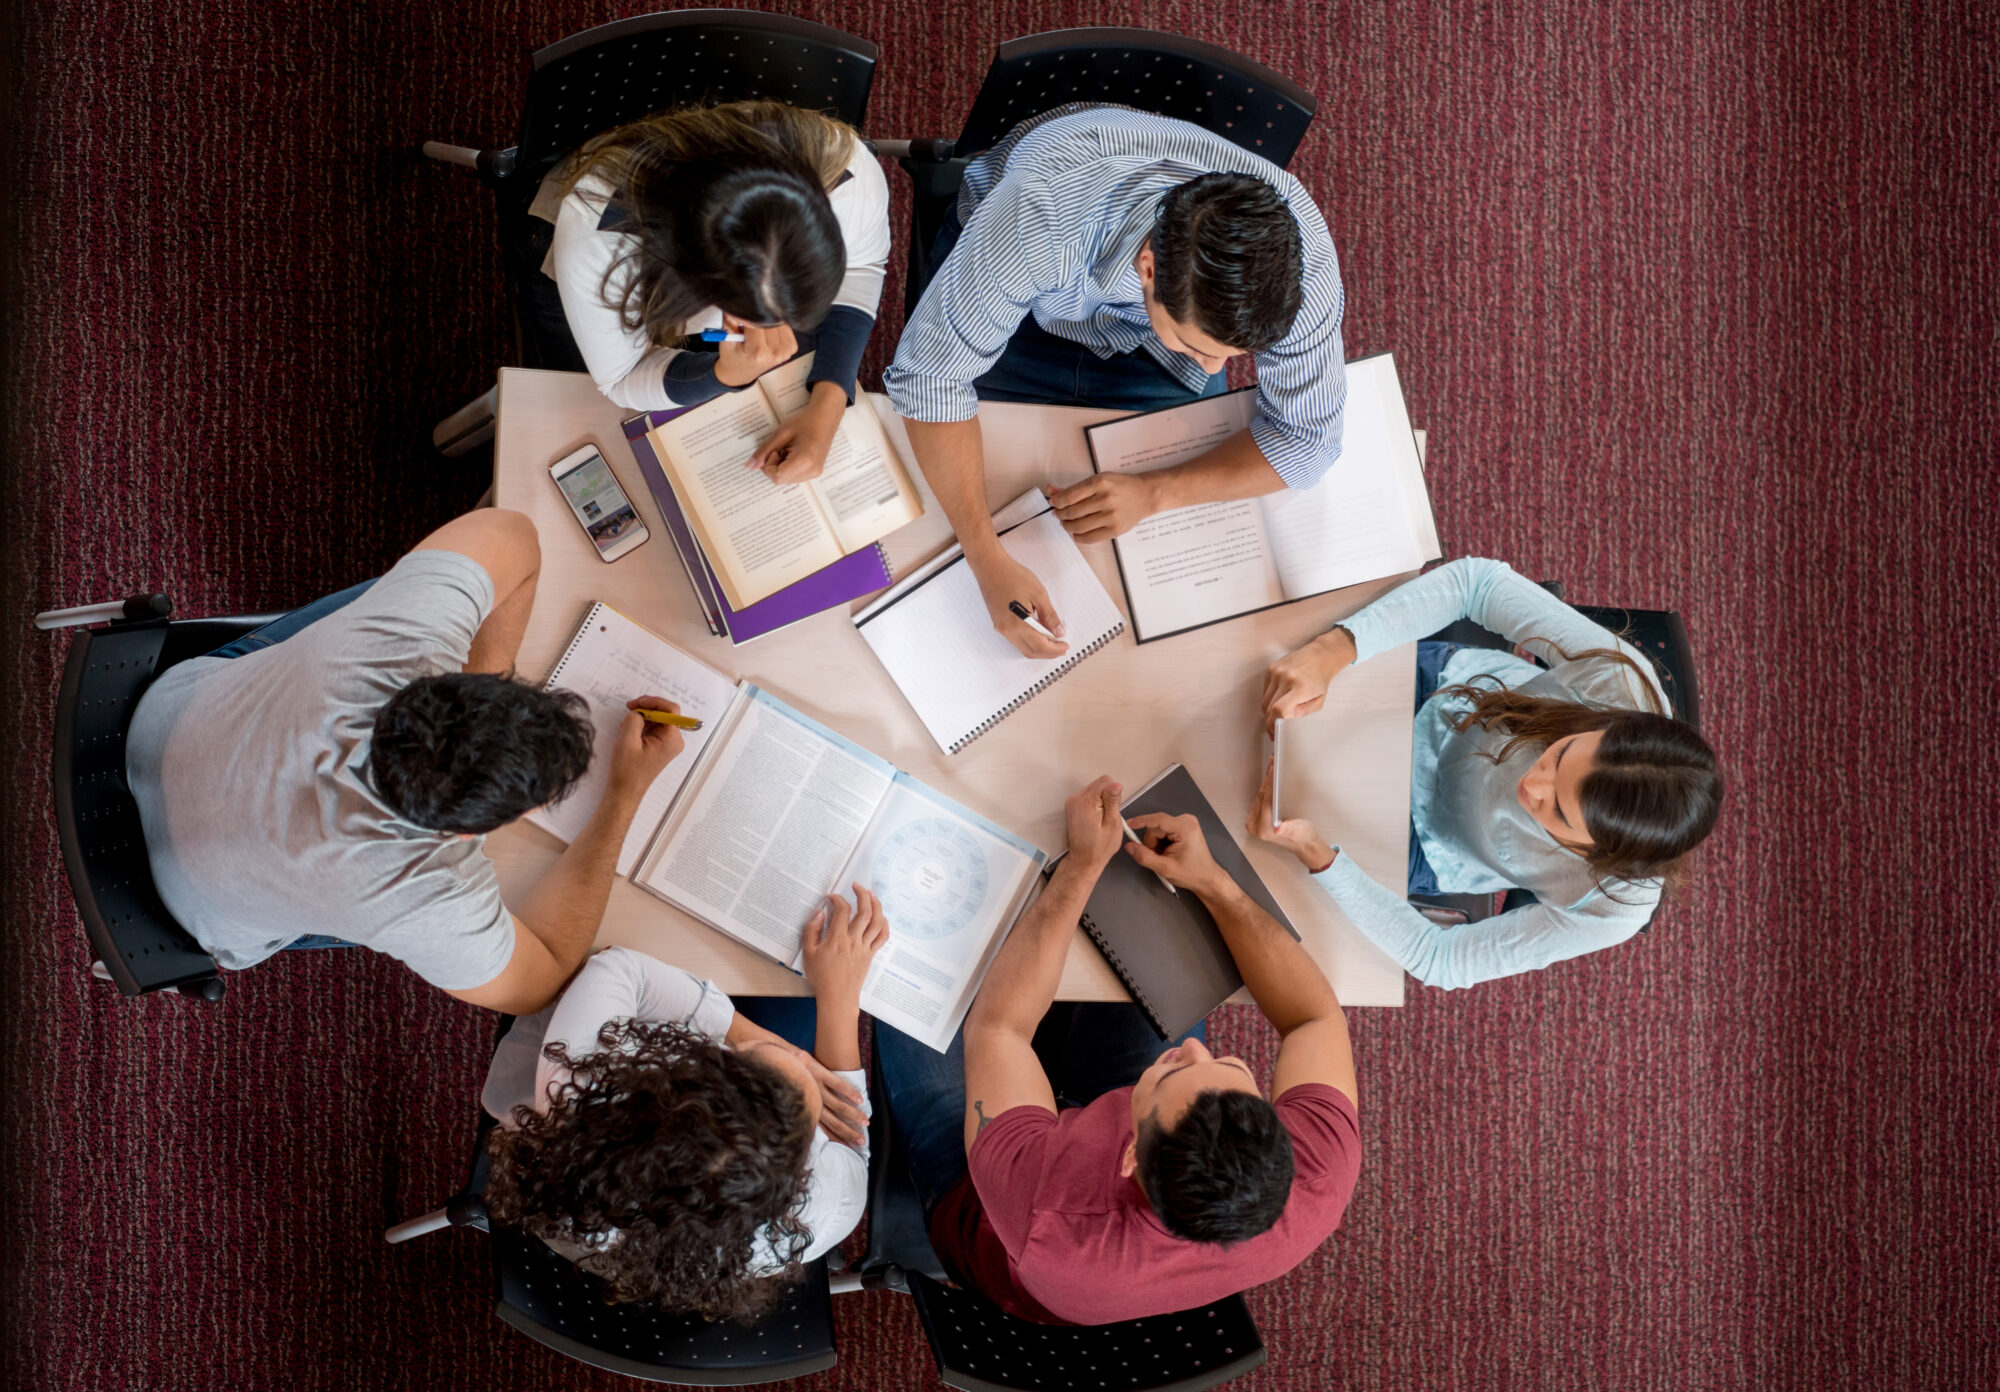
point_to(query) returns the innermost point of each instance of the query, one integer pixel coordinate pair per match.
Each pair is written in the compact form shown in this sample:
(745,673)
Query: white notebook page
(934,635)
(612,660)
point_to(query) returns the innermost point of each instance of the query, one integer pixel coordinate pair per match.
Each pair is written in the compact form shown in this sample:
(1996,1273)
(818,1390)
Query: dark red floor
(1698,304)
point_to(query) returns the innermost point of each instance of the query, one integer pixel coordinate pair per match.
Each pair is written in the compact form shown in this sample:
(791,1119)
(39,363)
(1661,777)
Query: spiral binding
(1118,966)
(1037,689)
(574,643)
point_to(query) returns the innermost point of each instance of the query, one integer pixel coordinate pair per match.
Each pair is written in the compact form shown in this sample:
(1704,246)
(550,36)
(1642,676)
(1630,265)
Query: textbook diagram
(931,876)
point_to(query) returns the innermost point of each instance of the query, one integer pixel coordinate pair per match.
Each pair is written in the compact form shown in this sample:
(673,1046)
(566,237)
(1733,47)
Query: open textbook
(761,537)
(779,811)
(1368,518)
(609,661)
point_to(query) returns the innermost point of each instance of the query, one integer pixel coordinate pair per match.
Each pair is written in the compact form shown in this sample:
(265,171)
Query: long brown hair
(1653,792)
(684,1150)
(725,206)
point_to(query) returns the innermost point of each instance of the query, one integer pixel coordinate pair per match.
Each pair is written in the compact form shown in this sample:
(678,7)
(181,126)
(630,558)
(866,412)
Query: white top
(627,366)
(622,984)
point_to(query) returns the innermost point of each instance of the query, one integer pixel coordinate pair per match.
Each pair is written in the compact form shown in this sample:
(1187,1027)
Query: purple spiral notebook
(846,580)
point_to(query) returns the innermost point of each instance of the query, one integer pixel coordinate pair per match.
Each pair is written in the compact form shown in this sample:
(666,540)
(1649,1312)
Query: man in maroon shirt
(1180,1188)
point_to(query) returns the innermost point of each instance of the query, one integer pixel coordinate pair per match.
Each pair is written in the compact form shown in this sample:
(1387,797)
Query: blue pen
(719,336)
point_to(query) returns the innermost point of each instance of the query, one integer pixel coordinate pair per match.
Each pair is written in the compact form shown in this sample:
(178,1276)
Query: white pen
(1020,611)
(1133,837)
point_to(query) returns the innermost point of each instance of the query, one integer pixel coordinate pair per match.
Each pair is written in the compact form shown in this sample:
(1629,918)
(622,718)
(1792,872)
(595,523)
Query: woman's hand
(838,948)
(740,364)
(1295,834)
(796,451)
(1296,683)
(840,1114)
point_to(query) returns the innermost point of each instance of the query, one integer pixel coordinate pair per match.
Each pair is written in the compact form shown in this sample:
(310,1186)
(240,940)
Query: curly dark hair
(1224,1173)
(681,1148)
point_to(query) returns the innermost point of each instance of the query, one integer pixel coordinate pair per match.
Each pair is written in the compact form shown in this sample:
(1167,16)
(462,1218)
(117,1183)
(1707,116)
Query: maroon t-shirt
(1045,1226)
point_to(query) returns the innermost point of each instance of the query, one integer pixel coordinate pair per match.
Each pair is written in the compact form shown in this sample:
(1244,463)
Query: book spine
(677,531)
(1032,692)
(1118,966)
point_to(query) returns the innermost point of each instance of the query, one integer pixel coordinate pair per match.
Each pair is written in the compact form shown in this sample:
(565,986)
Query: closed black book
(1165,947)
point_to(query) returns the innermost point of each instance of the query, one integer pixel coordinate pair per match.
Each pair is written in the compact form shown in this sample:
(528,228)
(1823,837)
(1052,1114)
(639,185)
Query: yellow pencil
(684,722)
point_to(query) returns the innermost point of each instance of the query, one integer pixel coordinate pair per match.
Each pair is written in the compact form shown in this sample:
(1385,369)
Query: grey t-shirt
(260,821)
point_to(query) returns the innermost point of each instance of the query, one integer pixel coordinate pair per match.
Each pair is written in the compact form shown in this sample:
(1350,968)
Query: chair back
(1167,74)
(546,1297)
(1662,635)
(590,82)
(97,819)
(981,1348)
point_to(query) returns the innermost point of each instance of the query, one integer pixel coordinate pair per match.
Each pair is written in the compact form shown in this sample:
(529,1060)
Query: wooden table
(1128,710)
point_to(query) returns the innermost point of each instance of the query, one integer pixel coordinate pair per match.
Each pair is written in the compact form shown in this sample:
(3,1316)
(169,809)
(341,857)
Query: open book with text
(1369,517)
(759,536)
(779,811)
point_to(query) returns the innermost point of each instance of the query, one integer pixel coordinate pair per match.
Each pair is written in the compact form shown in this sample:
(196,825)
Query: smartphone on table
(598,503)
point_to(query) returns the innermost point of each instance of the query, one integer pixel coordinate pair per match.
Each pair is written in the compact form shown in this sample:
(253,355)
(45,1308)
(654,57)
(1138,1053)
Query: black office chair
(604,77)
(546,1297)
(138,944)
(1662,635)
(1167,74)
(982,1348)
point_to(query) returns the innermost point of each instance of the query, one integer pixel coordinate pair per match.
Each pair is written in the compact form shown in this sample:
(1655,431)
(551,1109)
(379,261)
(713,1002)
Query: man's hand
(839,948)
(1105,505)
(1004,580)
(796,451)
(1296,683)
(644,749)
(740,364)
(1295,834)
(1090,818)
(1175,848)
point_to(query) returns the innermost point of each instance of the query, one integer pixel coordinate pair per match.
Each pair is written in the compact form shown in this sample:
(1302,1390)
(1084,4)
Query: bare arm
(953,457)
(506,547)
(1286,983)
(1001,1070)
(1107,505)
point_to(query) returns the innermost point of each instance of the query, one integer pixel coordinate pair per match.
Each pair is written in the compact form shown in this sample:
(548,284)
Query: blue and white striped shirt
(1054,217)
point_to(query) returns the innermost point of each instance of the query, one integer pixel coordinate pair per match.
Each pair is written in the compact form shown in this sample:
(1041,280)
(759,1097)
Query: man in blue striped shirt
(1142,253)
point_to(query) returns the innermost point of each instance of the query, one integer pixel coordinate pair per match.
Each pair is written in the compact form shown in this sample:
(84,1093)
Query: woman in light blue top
(1572,781)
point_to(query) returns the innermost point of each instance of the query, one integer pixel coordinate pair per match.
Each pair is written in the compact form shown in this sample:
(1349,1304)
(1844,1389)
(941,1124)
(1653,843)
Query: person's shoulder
(1324,1124)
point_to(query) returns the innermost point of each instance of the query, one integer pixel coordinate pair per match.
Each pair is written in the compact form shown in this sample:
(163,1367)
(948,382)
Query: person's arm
(1001,1070)
(1107,505)
(505,545)
(557,922)
(1288,986)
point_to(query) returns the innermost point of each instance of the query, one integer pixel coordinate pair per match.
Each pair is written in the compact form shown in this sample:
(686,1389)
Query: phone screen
(598,502)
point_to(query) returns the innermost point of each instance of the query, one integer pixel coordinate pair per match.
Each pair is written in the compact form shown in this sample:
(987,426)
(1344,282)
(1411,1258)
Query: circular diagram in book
(930,875)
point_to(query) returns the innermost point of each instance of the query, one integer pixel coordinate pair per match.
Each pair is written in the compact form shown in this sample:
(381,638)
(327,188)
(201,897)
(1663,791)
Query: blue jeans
(1087,1048)
(277,631)
(795,1019)
(1431,658)
(1039,367)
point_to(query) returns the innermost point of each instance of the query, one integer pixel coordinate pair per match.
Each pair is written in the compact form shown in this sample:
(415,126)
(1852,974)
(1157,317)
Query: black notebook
(1165,947)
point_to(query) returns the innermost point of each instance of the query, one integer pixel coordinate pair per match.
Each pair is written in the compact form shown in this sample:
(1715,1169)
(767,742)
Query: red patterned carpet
(1698,302)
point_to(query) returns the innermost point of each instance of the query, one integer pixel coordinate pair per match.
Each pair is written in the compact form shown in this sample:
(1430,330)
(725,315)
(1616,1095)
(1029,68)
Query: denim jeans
(1431,658)
(277,631)
(1037,366)
(1087,1048)
(795,1019)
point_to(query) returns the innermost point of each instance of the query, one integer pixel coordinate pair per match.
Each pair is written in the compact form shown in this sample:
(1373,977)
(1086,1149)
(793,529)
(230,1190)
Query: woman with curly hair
(754,218)
(1574,781)
(655,1135)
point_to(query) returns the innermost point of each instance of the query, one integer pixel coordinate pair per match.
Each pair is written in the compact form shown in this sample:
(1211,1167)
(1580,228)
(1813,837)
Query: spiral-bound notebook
(934,635)
(1165,947)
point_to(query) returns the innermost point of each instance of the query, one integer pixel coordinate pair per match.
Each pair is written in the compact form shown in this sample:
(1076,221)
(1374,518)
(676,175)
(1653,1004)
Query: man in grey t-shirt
(338,777)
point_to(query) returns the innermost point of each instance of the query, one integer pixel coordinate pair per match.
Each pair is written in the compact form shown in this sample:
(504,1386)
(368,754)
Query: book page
(612,661)
(1193,565)
(778,811)
(759,538)
(865,488)
(950,883)
(1369,517)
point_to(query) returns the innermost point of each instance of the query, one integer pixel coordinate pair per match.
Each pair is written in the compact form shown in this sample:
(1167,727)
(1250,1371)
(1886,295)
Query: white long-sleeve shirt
(622,984)
(1476,835)
(630,368)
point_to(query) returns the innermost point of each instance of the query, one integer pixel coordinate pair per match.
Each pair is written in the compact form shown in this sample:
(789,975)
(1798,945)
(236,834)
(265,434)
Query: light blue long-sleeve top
(1475,832)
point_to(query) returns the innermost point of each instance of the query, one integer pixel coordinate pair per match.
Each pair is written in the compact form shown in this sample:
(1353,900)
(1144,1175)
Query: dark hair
(1226,253)
(1223,1173)
(677,1150)
(725,206)
(470,752)
(1653,793)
